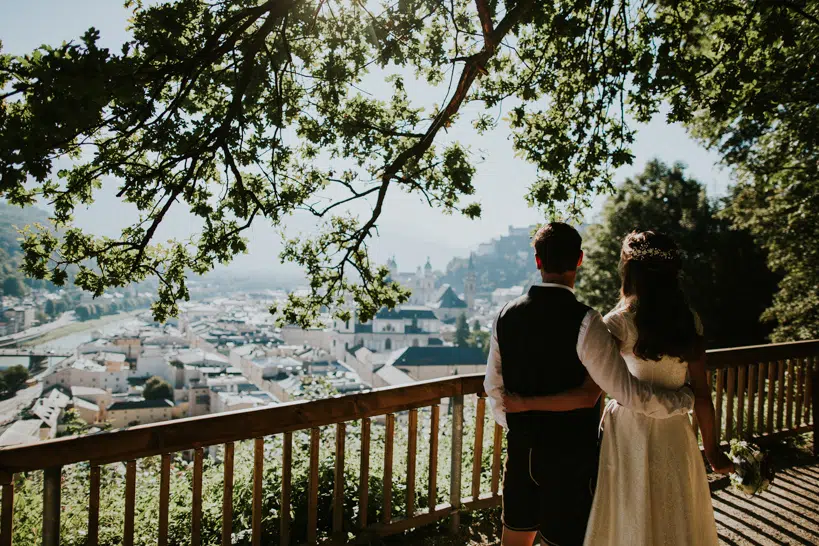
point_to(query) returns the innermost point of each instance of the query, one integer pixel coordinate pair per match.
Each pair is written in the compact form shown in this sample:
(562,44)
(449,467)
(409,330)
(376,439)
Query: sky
(409,229)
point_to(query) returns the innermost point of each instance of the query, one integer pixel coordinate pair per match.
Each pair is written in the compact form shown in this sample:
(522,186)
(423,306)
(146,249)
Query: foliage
(781,213)
(724,272)
(248,109)
(74,515)
(315,387)
(480,339)
(13,286)
(157,388)
(89,311)
(461,331)
(768,132)
(13,379)
(54,308)
(73,423)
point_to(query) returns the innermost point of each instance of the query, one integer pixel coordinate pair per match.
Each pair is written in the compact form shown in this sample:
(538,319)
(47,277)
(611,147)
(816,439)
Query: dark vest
(537,336)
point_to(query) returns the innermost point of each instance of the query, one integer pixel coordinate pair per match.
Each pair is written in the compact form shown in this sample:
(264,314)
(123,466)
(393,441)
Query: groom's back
(537,337)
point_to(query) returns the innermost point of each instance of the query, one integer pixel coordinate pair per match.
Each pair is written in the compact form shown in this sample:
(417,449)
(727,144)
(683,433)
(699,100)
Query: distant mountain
(501,263)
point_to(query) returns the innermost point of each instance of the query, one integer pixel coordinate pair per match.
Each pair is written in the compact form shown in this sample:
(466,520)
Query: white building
(421,283)
(139,412)
(502,296)
(405,326)
(423,363)
(85,373)
(229,401)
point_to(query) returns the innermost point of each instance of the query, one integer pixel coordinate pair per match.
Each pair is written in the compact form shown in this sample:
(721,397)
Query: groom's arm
(493,381)
(600,354)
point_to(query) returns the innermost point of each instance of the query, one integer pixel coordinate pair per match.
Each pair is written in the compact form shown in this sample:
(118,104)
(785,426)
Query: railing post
(815,406)
(457,458)
(7,519)
(51,506)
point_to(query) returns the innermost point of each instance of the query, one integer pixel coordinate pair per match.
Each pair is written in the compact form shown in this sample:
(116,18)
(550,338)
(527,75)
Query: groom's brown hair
(557,245)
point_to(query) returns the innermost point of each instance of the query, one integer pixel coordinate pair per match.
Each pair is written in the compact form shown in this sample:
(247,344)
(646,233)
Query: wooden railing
(760,392)
(763,392)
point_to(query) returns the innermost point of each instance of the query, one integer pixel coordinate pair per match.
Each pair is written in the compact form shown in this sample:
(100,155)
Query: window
(347,324)
(415,343)
(388,344)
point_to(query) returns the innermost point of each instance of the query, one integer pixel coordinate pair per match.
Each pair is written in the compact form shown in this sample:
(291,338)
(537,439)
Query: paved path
(786,514)
(24,397)
(37,331)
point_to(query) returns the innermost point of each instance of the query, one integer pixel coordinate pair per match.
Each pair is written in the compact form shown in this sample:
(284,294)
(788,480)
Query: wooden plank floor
(786,514)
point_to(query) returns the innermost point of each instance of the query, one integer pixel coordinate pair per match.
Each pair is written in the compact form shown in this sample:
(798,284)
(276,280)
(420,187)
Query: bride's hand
(721,464)
(513,403)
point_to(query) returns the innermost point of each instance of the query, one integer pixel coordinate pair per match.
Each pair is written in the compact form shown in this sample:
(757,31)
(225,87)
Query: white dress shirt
(599,352)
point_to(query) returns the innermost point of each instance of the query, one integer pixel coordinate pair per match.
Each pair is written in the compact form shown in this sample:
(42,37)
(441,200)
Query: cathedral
(427,292)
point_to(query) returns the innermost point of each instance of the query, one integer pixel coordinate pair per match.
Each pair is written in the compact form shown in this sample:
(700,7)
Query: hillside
(11,218)
(501,263)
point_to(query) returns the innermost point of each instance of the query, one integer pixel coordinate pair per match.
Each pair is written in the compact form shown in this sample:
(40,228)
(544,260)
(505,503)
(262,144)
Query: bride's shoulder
(619,321)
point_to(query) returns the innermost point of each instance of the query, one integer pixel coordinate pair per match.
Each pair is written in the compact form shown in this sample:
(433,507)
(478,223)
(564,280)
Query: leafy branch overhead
(253,110)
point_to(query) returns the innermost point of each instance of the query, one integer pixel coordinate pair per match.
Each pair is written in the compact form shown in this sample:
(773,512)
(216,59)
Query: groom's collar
(554,285)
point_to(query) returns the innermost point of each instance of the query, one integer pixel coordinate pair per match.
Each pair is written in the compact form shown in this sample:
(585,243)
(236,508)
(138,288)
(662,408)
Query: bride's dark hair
(650,270)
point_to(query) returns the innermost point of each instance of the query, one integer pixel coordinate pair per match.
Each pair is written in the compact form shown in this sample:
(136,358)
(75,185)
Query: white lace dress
(652,489)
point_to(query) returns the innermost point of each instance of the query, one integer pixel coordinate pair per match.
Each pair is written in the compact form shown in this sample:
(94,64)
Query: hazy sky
(408,229)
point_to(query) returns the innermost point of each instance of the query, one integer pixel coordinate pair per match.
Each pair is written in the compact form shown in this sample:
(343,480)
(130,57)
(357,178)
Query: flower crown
(648,252)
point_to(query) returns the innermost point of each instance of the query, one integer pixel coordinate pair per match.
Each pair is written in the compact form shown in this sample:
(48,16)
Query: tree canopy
(12,379)
(724,272)
(14,286)
(157,388)
(254,109)
(461,331)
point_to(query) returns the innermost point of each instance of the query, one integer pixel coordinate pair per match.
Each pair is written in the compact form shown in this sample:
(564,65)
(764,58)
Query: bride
(652,488)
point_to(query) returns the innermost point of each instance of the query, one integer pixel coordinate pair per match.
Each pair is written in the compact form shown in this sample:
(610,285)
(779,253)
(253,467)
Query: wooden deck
(786,514)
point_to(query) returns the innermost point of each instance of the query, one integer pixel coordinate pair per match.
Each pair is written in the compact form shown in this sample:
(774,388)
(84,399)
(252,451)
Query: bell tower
(470,285)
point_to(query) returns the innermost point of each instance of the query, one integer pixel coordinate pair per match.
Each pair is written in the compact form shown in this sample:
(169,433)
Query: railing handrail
(207,430)
(196,432)
(737,356)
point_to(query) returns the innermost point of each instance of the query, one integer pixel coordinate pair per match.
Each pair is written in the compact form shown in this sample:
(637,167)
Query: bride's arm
(584,396)
(704,410)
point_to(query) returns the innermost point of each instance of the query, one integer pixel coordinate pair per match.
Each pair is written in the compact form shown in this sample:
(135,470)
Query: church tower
(470,285)
(428,283)
(393,267)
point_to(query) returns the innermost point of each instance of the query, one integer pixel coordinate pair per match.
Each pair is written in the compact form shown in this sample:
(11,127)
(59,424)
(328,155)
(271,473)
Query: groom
(547,342)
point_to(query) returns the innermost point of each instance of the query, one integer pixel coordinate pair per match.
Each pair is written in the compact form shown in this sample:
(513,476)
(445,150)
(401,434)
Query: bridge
(369,465)
(36,357)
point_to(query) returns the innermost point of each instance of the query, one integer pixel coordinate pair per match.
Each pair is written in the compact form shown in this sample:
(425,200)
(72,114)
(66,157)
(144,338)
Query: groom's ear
(580,259)
(538,263)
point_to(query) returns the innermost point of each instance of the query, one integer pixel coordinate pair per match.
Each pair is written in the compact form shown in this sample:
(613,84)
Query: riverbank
(78,327)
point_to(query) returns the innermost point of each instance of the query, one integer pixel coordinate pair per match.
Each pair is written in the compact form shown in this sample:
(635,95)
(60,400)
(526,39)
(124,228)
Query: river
(70,341)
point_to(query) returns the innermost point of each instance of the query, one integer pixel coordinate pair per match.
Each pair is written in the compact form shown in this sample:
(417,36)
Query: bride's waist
(614,408)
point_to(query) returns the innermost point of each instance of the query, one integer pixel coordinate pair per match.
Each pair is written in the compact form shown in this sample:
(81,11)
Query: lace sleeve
(618,324)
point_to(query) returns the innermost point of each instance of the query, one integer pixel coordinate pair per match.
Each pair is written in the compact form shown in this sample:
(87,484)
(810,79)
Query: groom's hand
(513,403)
